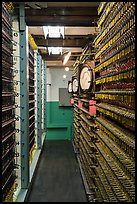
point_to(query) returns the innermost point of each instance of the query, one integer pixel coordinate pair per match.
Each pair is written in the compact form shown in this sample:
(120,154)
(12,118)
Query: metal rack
(22,137)
(8,107)
(84,138)
(105,141)
(31,99)
(115,91)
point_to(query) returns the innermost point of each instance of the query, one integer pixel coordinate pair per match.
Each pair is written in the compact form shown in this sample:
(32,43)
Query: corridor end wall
(59,118)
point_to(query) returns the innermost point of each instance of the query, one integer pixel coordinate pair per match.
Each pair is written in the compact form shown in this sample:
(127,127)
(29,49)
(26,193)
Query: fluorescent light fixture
(55,50)
(66,57)
(53,31)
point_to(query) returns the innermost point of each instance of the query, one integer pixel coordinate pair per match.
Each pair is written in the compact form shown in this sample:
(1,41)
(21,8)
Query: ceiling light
(66,56)
(53,31)
(66,69)
(55,50)
(64,76)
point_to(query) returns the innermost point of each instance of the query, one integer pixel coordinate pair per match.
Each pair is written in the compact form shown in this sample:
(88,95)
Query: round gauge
(75,85)
(85,78)
(70,87)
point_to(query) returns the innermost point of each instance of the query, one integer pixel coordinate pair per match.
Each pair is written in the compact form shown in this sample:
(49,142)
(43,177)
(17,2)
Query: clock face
(75,85)
(70,87)
(85,78)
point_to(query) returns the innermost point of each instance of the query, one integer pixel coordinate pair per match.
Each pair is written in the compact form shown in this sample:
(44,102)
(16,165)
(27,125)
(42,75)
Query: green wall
(59,121)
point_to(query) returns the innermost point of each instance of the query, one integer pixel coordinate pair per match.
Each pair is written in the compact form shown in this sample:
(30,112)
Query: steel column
(44,94)
(24,100)
(39,106)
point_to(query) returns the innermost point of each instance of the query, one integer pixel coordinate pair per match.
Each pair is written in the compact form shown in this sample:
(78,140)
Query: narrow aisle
(57,177)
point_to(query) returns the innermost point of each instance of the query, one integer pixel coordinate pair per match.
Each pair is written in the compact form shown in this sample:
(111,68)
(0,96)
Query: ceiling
(80,26)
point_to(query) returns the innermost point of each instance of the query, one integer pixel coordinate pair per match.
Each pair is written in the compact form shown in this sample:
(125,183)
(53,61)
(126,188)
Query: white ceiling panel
(72,49)
(80,30)
(58,63)
(36,30)
(65,49)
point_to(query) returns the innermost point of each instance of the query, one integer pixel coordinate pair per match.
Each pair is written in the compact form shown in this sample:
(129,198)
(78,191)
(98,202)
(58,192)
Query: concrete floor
(57,178)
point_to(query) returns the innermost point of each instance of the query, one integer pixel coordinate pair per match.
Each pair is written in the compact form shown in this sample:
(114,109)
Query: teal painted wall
(59,121)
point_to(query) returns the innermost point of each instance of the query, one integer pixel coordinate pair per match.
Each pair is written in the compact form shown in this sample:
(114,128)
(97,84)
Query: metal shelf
(31,101)
(119,111)
(6,94)
(8,136)
(90,144)
(115,73)
(31,133)
(121,158)
(8,122)
(116,92)
(32,116)
(116,173)
(8,108)
(89,123)
(85,111)
(4,168)
(7,151)
(127,143)
(31,62)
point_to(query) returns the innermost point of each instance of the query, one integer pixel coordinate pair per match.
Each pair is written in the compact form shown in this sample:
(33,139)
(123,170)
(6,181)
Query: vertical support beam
(45,97)
(24,100)
(22,16)
(39,108)
(35,84)
(42,96)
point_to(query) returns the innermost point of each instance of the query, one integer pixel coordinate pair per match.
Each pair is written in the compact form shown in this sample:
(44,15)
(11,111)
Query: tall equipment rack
(112,176)
(22,91)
